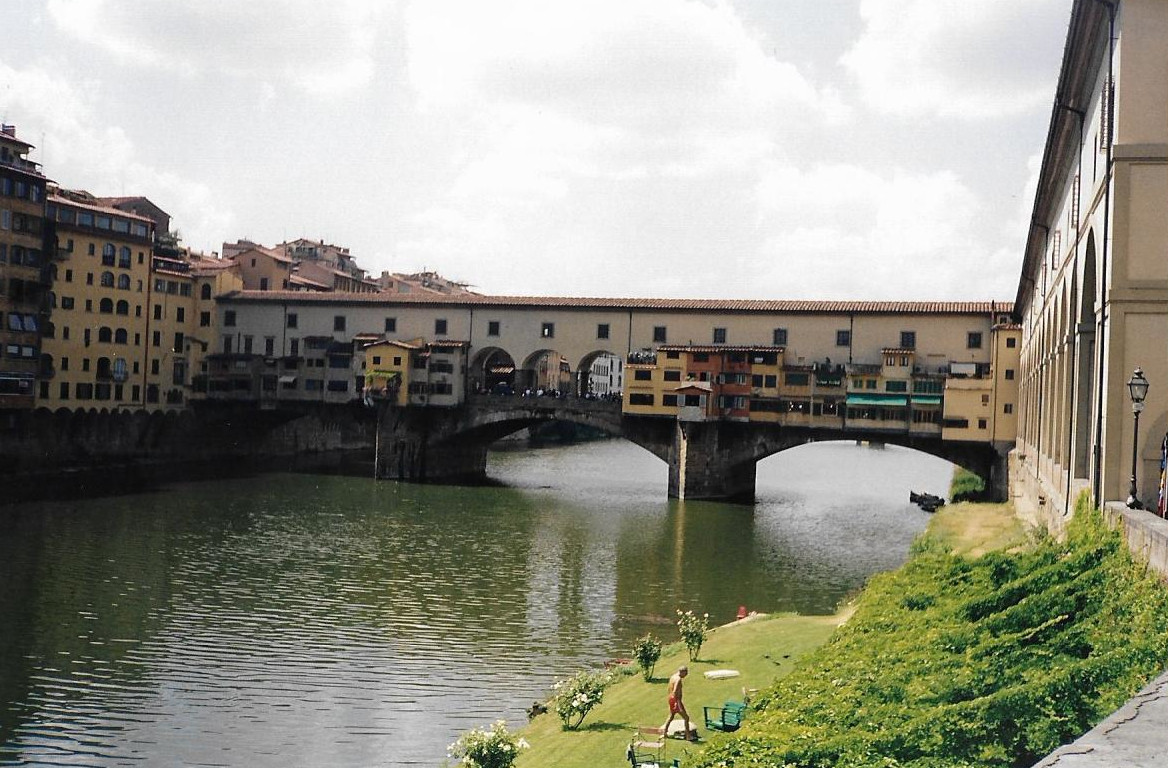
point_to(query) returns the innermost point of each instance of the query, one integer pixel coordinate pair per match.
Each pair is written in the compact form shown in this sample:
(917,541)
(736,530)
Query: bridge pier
(706,462)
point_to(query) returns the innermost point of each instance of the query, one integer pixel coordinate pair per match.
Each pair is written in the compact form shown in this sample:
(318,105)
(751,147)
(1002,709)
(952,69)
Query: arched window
(104,335)
(107,279)
(126,258)
(52,299)
(123,307)
(103,368)
(124,282)
(106,306)
(120,336)
(107,254)
(205,291)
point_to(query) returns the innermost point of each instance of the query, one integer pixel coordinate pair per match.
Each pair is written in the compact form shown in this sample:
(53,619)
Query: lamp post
(1137,387)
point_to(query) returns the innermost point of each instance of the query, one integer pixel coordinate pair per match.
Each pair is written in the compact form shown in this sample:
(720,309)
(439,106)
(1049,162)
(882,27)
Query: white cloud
(321,47)
(79,151)
(956,58)
(845,231)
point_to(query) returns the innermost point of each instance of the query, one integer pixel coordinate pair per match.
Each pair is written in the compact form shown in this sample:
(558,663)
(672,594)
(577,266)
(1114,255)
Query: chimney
(8,130)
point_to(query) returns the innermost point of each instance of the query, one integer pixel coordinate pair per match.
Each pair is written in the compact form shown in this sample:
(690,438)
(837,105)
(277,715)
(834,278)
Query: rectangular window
(269,346)
(843,338)
(973,340)
(179,340)
(1008,408)
(338,322)
(1011,342)
(770,381)
(982,424)
(157,311)
(602,331)
(247,345)
(797,379)
(670,400)
(440,327)
(780,337)
(155,338)
(294,347)
(293,320)
(659,334)
(642,375)
(64,393)
(719,335)
(640,398)
(229,318)
(672,375)
(895,386)
(204,319)
(908,339)
(547,330)
(492,327)
(154,367)
(391,325)
(1009,374)
(180,315)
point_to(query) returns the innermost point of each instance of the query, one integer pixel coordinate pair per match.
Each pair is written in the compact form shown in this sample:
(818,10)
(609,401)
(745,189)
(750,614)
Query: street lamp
(1137,387)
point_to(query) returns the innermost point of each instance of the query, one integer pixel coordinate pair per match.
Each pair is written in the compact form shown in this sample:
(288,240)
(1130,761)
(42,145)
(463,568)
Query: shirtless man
(676,706)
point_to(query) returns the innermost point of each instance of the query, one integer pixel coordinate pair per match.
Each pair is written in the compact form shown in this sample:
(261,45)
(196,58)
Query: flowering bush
(494,748)
(647,651)
(693,630)
(575,697)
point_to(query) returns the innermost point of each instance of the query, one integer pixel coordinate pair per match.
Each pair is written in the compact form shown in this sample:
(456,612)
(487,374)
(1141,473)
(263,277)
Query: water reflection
(347,622)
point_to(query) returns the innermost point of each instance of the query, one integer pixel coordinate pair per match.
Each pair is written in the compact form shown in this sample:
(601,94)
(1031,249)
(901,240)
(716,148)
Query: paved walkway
(1134,736)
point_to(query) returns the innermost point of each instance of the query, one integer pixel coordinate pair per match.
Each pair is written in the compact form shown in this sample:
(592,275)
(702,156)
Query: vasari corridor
(665,383)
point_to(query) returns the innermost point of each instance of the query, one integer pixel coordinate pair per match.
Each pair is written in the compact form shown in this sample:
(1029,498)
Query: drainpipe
(1101,320)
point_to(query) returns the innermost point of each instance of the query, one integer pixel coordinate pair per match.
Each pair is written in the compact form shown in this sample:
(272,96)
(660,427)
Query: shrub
(494,748)
(693,630)
(966,486)
(575,697)
(646,652)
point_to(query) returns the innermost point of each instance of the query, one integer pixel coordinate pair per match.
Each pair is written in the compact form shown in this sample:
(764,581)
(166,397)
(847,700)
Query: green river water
(300,619)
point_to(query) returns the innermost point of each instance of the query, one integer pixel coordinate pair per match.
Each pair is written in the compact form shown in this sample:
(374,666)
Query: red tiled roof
(718,348)
(677,305)
(96,206)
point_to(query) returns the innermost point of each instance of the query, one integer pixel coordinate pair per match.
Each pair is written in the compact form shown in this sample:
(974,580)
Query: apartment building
(25,274)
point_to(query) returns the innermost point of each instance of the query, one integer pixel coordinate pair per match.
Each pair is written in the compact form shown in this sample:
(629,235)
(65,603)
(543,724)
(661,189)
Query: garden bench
(726,718)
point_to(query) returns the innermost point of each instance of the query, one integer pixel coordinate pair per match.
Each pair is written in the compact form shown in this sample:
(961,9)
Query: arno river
(334,621)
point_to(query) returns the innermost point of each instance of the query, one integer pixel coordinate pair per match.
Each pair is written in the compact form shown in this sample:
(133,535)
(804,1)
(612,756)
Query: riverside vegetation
(988,648)
(953,662)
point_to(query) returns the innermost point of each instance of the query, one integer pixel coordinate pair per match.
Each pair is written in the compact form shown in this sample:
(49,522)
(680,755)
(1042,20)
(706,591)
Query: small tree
(575,697)
(693,630)
(647,651)
(494,748)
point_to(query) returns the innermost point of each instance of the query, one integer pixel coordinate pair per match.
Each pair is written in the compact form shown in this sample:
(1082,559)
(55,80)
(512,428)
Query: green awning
(878,399)
(926,399)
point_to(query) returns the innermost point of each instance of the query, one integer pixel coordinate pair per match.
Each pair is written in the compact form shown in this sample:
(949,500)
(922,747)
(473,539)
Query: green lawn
(762,649)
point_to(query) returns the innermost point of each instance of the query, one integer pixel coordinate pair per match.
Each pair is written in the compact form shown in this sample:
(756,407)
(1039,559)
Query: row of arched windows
(109,253)
(107,335)
(107,307)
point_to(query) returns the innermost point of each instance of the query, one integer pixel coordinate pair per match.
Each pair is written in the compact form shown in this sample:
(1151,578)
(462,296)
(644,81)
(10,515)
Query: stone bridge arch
(584,384)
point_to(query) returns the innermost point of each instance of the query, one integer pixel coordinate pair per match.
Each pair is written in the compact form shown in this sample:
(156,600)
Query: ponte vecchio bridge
(710,386)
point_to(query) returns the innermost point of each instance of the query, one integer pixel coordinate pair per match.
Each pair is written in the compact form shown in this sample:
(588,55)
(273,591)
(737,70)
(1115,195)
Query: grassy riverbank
(958,659)
(763,649)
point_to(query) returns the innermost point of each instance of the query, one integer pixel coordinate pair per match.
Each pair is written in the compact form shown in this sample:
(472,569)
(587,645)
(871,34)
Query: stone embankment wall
(41,445)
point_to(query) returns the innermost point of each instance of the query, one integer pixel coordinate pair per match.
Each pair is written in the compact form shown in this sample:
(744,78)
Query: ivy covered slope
(953,661)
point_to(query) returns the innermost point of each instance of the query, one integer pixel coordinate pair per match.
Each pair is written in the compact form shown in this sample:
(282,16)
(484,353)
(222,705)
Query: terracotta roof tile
(675,305)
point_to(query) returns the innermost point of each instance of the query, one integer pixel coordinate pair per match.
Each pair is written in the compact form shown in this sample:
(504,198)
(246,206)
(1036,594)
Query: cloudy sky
(834,149)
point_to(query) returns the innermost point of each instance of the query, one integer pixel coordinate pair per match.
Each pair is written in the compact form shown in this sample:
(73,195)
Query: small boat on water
(926,501)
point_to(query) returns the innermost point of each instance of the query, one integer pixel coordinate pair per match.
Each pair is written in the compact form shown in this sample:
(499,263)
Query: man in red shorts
(676,705)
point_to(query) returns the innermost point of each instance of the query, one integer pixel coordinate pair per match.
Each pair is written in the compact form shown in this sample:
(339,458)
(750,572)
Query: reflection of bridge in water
(706,458)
